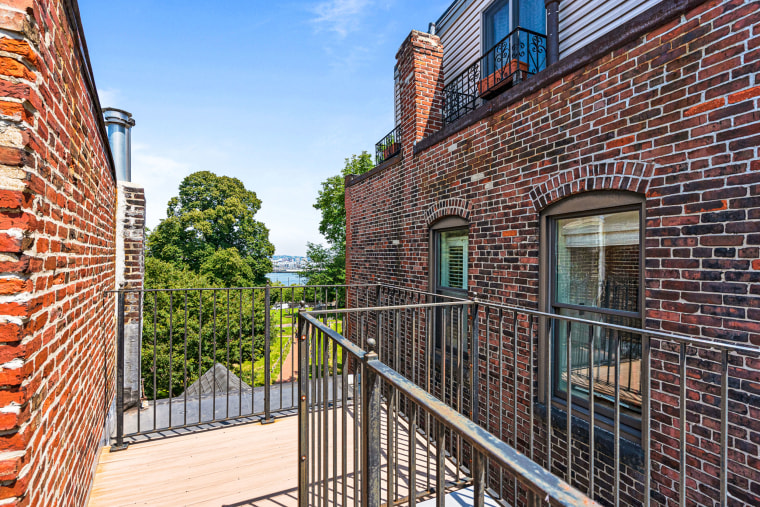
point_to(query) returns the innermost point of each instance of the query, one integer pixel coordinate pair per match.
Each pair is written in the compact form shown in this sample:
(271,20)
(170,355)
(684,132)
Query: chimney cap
(118,116)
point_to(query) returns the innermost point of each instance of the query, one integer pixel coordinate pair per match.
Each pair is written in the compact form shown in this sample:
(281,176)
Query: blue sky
(277,94)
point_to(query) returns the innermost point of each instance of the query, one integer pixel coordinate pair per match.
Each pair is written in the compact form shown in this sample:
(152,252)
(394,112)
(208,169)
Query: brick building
(58,235)
(600,163)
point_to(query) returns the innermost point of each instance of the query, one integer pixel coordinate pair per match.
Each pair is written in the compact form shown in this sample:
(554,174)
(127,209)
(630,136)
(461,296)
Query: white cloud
(340,16)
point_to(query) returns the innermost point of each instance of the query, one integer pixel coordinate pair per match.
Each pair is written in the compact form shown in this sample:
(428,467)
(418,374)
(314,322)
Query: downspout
(552,31)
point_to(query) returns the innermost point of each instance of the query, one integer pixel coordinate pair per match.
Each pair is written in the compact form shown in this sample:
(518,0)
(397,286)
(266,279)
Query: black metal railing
(371,435)
(188,357)
(388,147)
(517,56)
(422,395)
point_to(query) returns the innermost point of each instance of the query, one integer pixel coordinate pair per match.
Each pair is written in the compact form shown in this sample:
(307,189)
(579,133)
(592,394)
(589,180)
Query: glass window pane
(497,23)
(500,23)
(533,16)
(602,361)
(597,261)
(452,255)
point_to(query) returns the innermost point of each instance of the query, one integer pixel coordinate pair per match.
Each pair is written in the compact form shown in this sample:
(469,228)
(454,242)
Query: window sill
(631,453)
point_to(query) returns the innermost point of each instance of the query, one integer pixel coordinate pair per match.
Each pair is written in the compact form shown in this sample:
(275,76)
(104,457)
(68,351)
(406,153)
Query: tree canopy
(327,265)
(211,229)
(331,201)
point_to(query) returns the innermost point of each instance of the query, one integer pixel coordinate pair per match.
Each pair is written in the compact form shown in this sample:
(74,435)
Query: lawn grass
(280,339)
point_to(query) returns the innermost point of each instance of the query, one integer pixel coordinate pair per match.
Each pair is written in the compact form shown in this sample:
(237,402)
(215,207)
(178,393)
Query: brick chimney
(130,246)
(419,63)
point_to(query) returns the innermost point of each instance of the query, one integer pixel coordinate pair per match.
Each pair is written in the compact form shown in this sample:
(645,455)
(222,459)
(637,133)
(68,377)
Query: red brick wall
(421,84)
(673,116)
(57,259)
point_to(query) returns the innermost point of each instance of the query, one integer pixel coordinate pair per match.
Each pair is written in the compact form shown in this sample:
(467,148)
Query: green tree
(211,229)
(327,265)
(185,332)
(324,266)
(331,201)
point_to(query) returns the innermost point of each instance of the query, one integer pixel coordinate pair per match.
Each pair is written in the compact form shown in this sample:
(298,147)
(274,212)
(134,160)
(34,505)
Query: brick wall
(130,274)
(57,208)
(672,116)
(421,84)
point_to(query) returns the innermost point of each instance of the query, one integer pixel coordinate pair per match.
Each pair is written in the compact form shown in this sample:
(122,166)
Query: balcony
(388,147)
(392,385)
(516,57)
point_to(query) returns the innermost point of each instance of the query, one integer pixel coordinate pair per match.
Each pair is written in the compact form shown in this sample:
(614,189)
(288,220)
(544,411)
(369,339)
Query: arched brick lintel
(447,208)
(631,175)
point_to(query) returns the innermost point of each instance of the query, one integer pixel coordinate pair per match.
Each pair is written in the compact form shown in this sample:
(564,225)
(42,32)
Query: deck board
(229,466)
(244,465)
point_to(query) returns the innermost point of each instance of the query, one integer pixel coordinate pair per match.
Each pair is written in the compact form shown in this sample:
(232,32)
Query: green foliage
(327,265)
(210,229)
(209,239)
(331,201)
(179,328)
(226,268)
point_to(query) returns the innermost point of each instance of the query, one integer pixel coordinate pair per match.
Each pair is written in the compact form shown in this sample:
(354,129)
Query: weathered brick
(57,209)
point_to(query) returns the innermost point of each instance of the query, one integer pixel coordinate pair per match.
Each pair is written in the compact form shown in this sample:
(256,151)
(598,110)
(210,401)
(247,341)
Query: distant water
(286,278)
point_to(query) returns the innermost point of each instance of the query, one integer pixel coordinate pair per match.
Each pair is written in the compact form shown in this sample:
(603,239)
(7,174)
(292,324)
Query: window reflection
(596,277)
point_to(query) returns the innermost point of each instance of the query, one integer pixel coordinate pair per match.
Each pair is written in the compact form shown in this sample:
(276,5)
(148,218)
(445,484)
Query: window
(449,259)
(452,260)
(496,21)
(514,43)
(503,16)
(595,256)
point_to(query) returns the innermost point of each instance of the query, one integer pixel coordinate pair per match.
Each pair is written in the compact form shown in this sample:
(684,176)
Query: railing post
(370,421)
(120,445)
(474,339)
(479,478)
(514,54)
(303,407)
(267,357)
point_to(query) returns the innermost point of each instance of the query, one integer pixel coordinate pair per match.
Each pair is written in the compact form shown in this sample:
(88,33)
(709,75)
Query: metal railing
(350,398)
(517,56)
(388,147)
(435,370)
(188,357)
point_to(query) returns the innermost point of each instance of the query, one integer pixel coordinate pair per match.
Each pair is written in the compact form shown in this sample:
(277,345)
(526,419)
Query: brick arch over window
(447,208)
(631,175)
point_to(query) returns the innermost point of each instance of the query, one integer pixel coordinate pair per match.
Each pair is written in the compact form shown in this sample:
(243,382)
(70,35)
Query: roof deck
(247,464)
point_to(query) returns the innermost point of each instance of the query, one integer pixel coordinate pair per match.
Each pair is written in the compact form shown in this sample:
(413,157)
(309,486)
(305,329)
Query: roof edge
(71,9)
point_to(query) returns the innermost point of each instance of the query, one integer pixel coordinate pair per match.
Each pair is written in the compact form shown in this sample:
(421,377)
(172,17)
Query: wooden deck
(245,465)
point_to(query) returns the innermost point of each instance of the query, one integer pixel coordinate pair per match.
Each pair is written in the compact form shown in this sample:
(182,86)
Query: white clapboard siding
(582,21)
(461,40)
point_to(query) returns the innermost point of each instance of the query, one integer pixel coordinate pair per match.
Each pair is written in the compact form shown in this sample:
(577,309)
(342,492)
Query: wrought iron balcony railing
(422,395)
(393,385)
(517,56)
(388,147)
